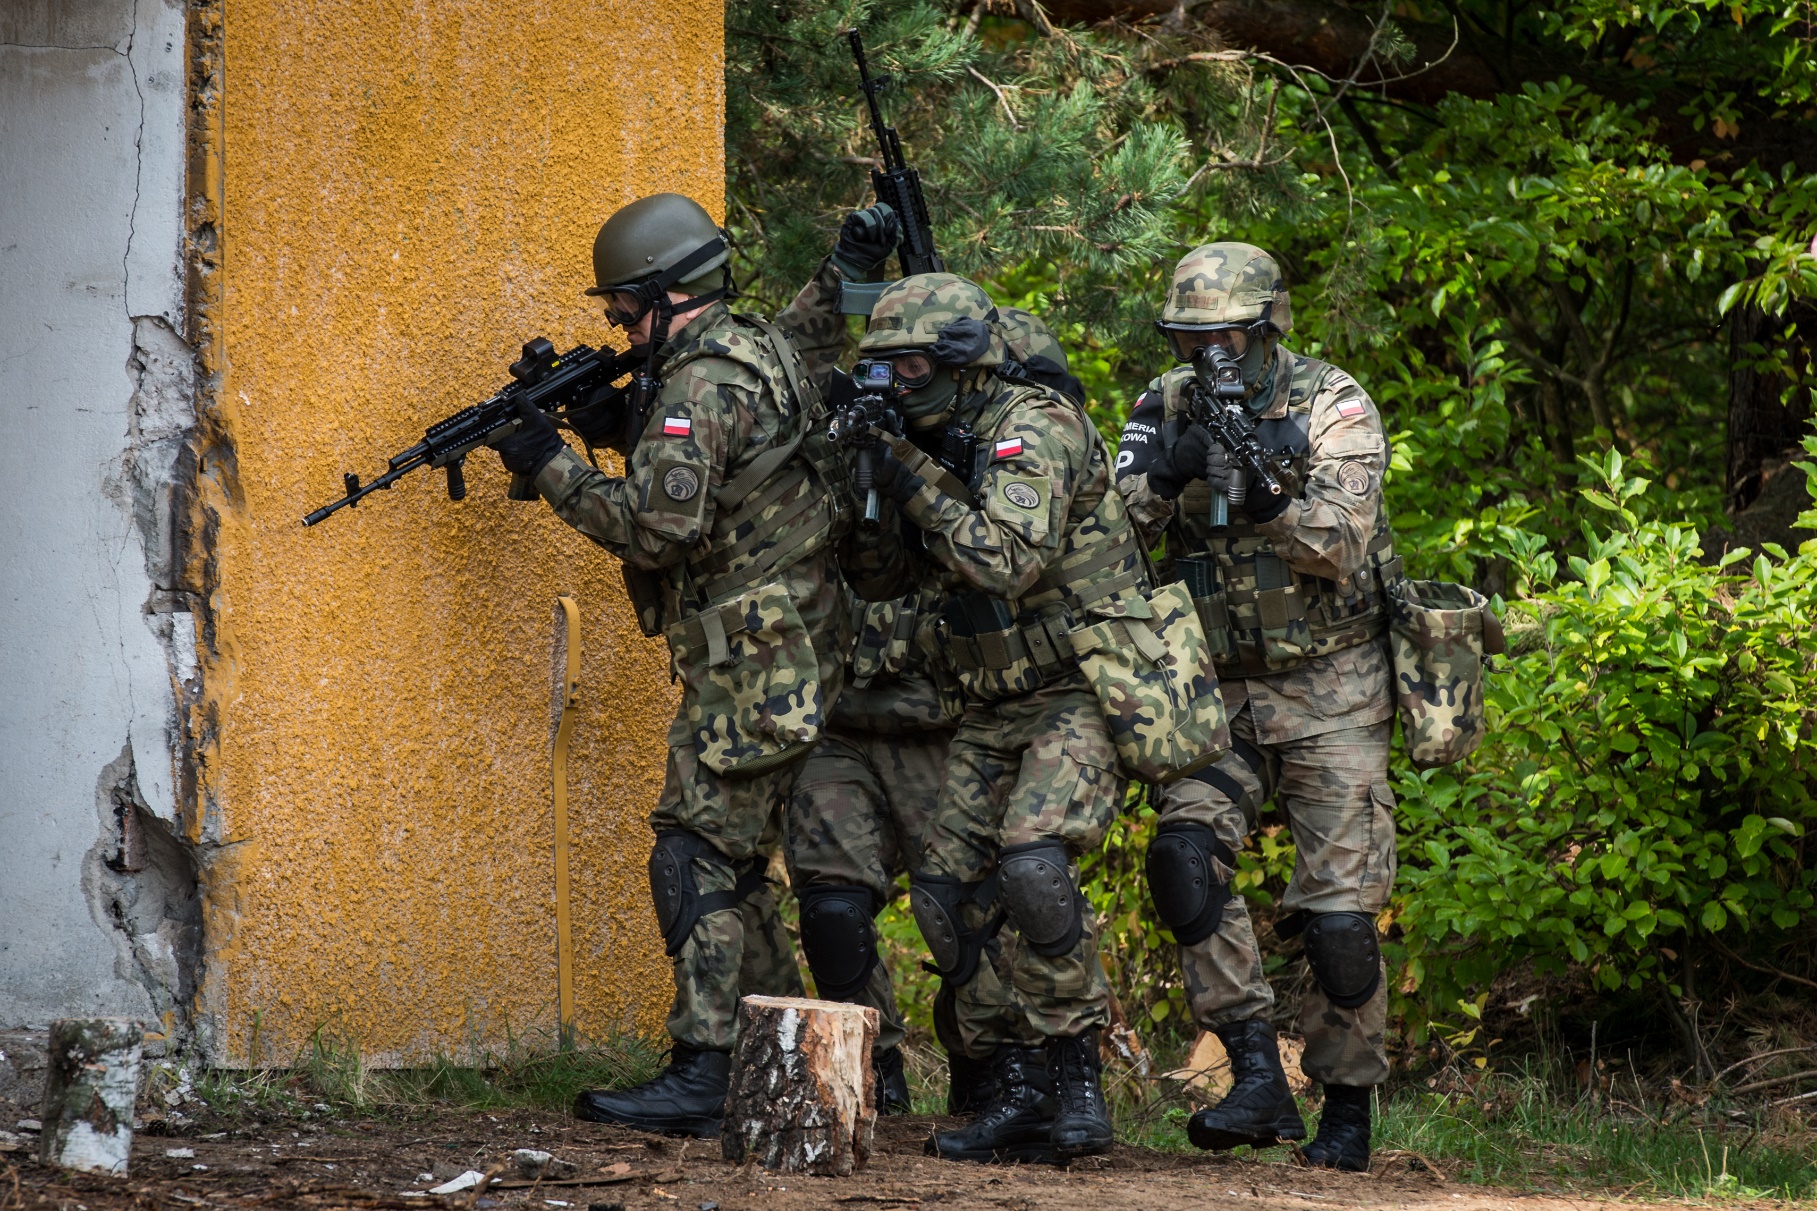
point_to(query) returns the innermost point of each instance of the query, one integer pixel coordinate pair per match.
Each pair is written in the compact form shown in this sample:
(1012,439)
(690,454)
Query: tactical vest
(1261,616)
(786,505)
(1000,649)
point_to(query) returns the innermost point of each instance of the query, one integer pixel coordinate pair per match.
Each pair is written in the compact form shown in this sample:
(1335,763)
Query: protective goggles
(1234,340)
(899,372)
(624,308)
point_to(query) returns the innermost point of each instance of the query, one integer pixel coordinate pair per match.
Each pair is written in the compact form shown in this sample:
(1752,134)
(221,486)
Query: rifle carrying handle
(522,488)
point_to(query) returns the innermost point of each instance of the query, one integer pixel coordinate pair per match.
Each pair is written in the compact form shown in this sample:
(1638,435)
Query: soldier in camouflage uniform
(1018,523)
(726,520)
(863,798)
(1293,593)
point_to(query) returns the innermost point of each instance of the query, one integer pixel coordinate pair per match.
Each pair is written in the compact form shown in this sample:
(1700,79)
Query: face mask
(928,407)
(1258,366)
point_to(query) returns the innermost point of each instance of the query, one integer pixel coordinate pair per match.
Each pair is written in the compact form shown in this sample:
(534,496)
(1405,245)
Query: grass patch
(529,1071)
(1515,1129)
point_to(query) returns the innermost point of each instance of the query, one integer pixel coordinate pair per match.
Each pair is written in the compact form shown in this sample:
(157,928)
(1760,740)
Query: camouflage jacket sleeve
(813,319)
(1326,532)
(1138,446)
(660,508)
(1039,457)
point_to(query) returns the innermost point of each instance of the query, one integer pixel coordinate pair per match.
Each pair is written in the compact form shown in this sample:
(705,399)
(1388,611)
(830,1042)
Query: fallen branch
(1771,971)
(1787,1101)
(1755,1059)
(1753,1086)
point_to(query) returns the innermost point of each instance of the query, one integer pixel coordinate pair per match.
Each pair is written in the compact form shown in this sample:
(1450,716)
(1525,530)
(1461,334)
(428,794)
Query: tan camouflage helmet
(1224,286)
(911,313)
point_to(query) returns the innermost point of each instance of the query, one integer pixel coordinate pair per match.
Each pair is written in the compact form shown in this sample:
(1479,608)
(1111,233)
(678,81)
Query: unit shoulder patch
(1024,493)
(681,483)
(1353,477)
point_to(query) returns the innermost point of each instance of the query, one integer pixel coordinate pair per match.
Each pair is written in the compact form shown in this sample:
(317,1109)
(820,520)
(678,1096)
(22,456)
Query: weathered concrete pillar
(804,1095)
(89,1096)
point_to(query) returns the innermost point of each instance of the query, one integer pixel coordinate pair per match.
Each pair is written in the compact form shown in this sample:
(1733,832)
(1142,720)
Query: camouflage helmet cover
(911,313)
(651,237)
(1028,337)
(1220,285)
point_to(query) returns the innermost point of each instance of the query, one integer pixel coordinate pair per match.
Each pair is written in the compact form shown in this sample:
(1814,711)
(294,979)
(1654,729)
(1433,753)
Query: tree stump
(89,1094)
(804,1095)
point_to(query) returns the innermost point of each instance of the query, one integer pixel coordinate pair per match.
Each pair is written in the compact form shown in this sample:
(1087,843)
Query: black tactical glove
(601,420)
(892,476)
(1184,460)
(866,239)
(529,450)
(1264,505)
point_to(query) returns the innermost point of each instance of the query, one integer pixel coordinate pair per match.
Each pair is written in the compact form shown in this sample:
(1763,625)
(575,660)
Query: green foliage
(1644,781)
(1054,150)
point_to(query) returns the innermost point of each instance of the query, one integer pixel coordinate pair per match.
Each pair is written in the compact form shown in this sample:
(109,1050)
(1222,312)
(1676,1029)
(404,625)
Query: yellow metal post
(564,936)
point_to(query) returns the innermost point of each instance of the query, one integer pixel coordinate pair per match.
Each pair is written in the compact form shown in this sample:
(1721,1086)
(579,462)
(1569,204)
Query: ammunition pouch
(1261,617)
(1441,635)
(997,655)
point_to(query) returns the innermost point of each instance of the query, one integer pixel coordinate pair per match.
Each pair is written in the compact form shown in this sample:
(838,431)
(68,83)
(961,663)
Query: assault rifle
(580,380)
(899,185)
(1216,396)
(853,419)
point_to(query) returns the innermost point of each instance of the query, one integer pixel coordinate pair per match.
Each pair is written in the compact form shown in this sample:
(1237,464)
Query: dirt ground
(386,1163)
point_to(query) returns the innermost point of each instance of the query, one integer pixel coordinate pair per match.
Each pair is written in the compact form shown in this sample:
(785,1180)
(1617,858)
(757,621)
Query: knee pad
(937,900)
(679,902)
(1189,896)
(839,937)
(1345,957)
(1034,881)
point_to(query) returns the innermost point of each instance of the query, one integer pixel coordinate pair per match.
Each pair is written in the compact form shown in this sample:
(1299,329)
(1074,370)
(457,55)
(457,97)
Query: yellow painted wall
(409,191)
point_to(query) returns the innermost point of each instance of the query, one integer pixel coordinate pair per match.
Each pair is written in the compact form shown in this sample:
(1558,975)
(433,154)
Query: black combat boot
(1259,1109)
(1081,1119)
(688,1098)
(1017,1123)
(971,1085)
(1343,1139)
(892,1082)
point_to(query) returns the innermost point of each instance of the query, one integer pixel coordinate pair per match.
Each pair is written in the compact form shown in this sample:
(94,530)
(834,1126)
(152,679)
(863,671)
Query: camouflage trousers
(1333,789)
(735,951)
(1037,767)
(860,807)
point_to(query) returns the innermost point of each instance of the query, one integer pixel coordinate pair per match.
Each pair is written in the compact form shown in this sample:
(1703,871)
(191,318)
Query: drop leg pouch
(751,682)
(1440,635)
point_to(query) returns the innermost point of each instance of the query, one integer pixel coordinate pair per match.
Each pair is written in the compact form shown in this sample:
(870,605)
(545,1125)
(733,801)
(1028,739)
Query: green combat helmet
(664,240)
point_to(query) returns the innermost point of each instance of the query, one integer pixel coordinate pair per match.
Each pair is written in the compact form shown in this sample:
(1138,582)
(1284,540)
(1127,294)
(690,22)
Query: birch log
(804,1095)
(89,1093)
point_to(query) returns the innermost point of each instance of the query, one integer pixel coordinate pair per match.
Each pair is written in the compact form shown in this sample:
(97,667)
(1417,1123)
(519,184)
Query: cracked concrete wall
(96,400)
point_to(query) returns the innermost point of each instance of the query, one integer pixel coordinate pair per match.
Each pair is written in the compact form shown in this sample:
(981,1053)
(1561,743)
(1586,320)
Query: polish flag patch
(1008,449)
(1351,407)
(677,426)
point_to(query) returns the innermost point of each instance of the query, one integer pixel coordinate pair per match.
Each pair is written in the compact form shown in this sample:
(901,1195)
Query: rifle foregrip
(522,488)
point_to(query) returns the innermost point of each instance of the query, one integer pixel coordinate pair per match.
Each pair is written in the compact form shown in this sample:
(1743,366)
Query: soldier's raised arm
(1327,530)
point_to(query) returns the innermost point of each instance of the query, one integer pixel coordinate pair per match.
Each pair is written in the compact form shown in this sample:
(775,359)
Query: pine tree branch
(1001,99)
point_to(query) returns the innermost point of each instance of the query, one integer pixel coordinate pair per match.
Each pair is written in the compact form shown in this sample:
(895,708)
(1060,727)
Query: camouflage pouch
(1441,634)
(644,588)
(750,683)
(1149,663)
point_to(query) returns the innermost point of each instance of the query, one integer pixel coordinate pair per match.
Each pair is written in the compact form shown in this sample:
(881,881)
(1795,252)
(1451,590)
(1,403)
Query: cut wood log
(89,1093)
(804,1095)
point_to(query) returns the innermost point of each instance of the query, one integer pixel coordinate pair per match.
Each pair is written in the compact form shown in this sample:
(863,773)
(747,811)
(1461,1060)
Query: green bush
(1645,781)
